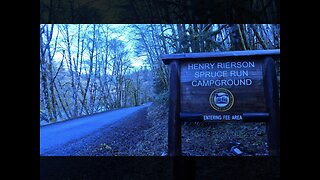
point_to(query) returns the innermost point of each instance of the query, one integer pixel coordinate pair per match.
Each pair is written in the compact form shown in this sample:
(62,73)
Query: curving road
(58,134)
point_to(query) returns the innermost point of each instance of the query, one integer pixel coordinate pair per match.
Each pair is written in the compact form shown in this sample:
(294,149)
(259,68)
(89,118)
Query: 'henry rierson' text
(221,73)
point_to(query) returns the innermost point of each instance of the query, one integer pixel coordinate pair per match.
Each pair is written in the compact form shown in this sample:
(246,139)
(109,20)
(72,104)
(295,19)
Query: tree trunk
(261,41)
(44,73)
(61,101)
(235,36)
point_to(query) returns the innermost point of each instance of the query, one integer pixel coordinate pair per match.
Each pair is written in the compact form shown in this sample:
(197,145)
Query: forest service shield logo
(221,99)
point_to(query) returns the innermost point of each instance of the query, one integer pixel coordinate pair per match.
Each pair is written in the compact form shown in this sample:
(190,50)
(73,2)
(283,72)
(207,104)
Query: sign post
(174,129)
(271,91)
(233,86)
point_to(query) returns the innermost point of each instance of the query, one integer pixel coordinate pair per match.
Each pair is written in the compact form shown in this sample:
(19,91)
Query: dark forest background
(159,11)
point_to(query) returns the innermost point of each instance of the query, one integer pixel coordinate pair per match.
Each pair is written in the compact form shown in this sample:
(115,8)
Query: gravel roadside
(144,133)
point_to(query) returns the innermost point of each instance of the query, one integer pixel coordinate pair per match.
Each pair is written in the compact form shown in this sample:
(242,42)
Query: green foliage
(43,116)
(105,147)
(162,98)
(159,84)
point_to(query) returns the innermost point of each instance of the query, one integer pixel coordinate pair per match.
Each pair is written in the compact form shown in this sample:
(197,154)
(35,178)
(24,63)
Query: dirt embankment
(205,139)
(145,133)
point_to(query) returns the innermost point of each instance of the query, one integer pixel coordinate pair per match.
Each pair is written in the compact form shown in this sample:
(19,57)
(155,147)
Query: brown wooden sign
(223,86)
(222,90)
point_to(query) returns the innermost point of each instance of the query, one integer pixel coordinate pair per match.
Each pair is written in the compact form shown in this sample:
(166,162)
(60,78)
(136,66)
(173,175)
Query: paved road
(54,135)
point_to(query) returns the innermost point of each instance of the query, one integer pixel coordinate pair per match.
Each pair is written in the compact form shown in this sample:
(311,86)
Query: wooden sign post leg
(174,129)
(272,100)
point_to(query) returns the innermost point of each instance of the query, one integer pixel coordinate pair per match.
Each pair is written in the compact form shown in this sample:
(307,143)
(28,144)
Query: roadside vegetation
(203,139)
(147,135)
